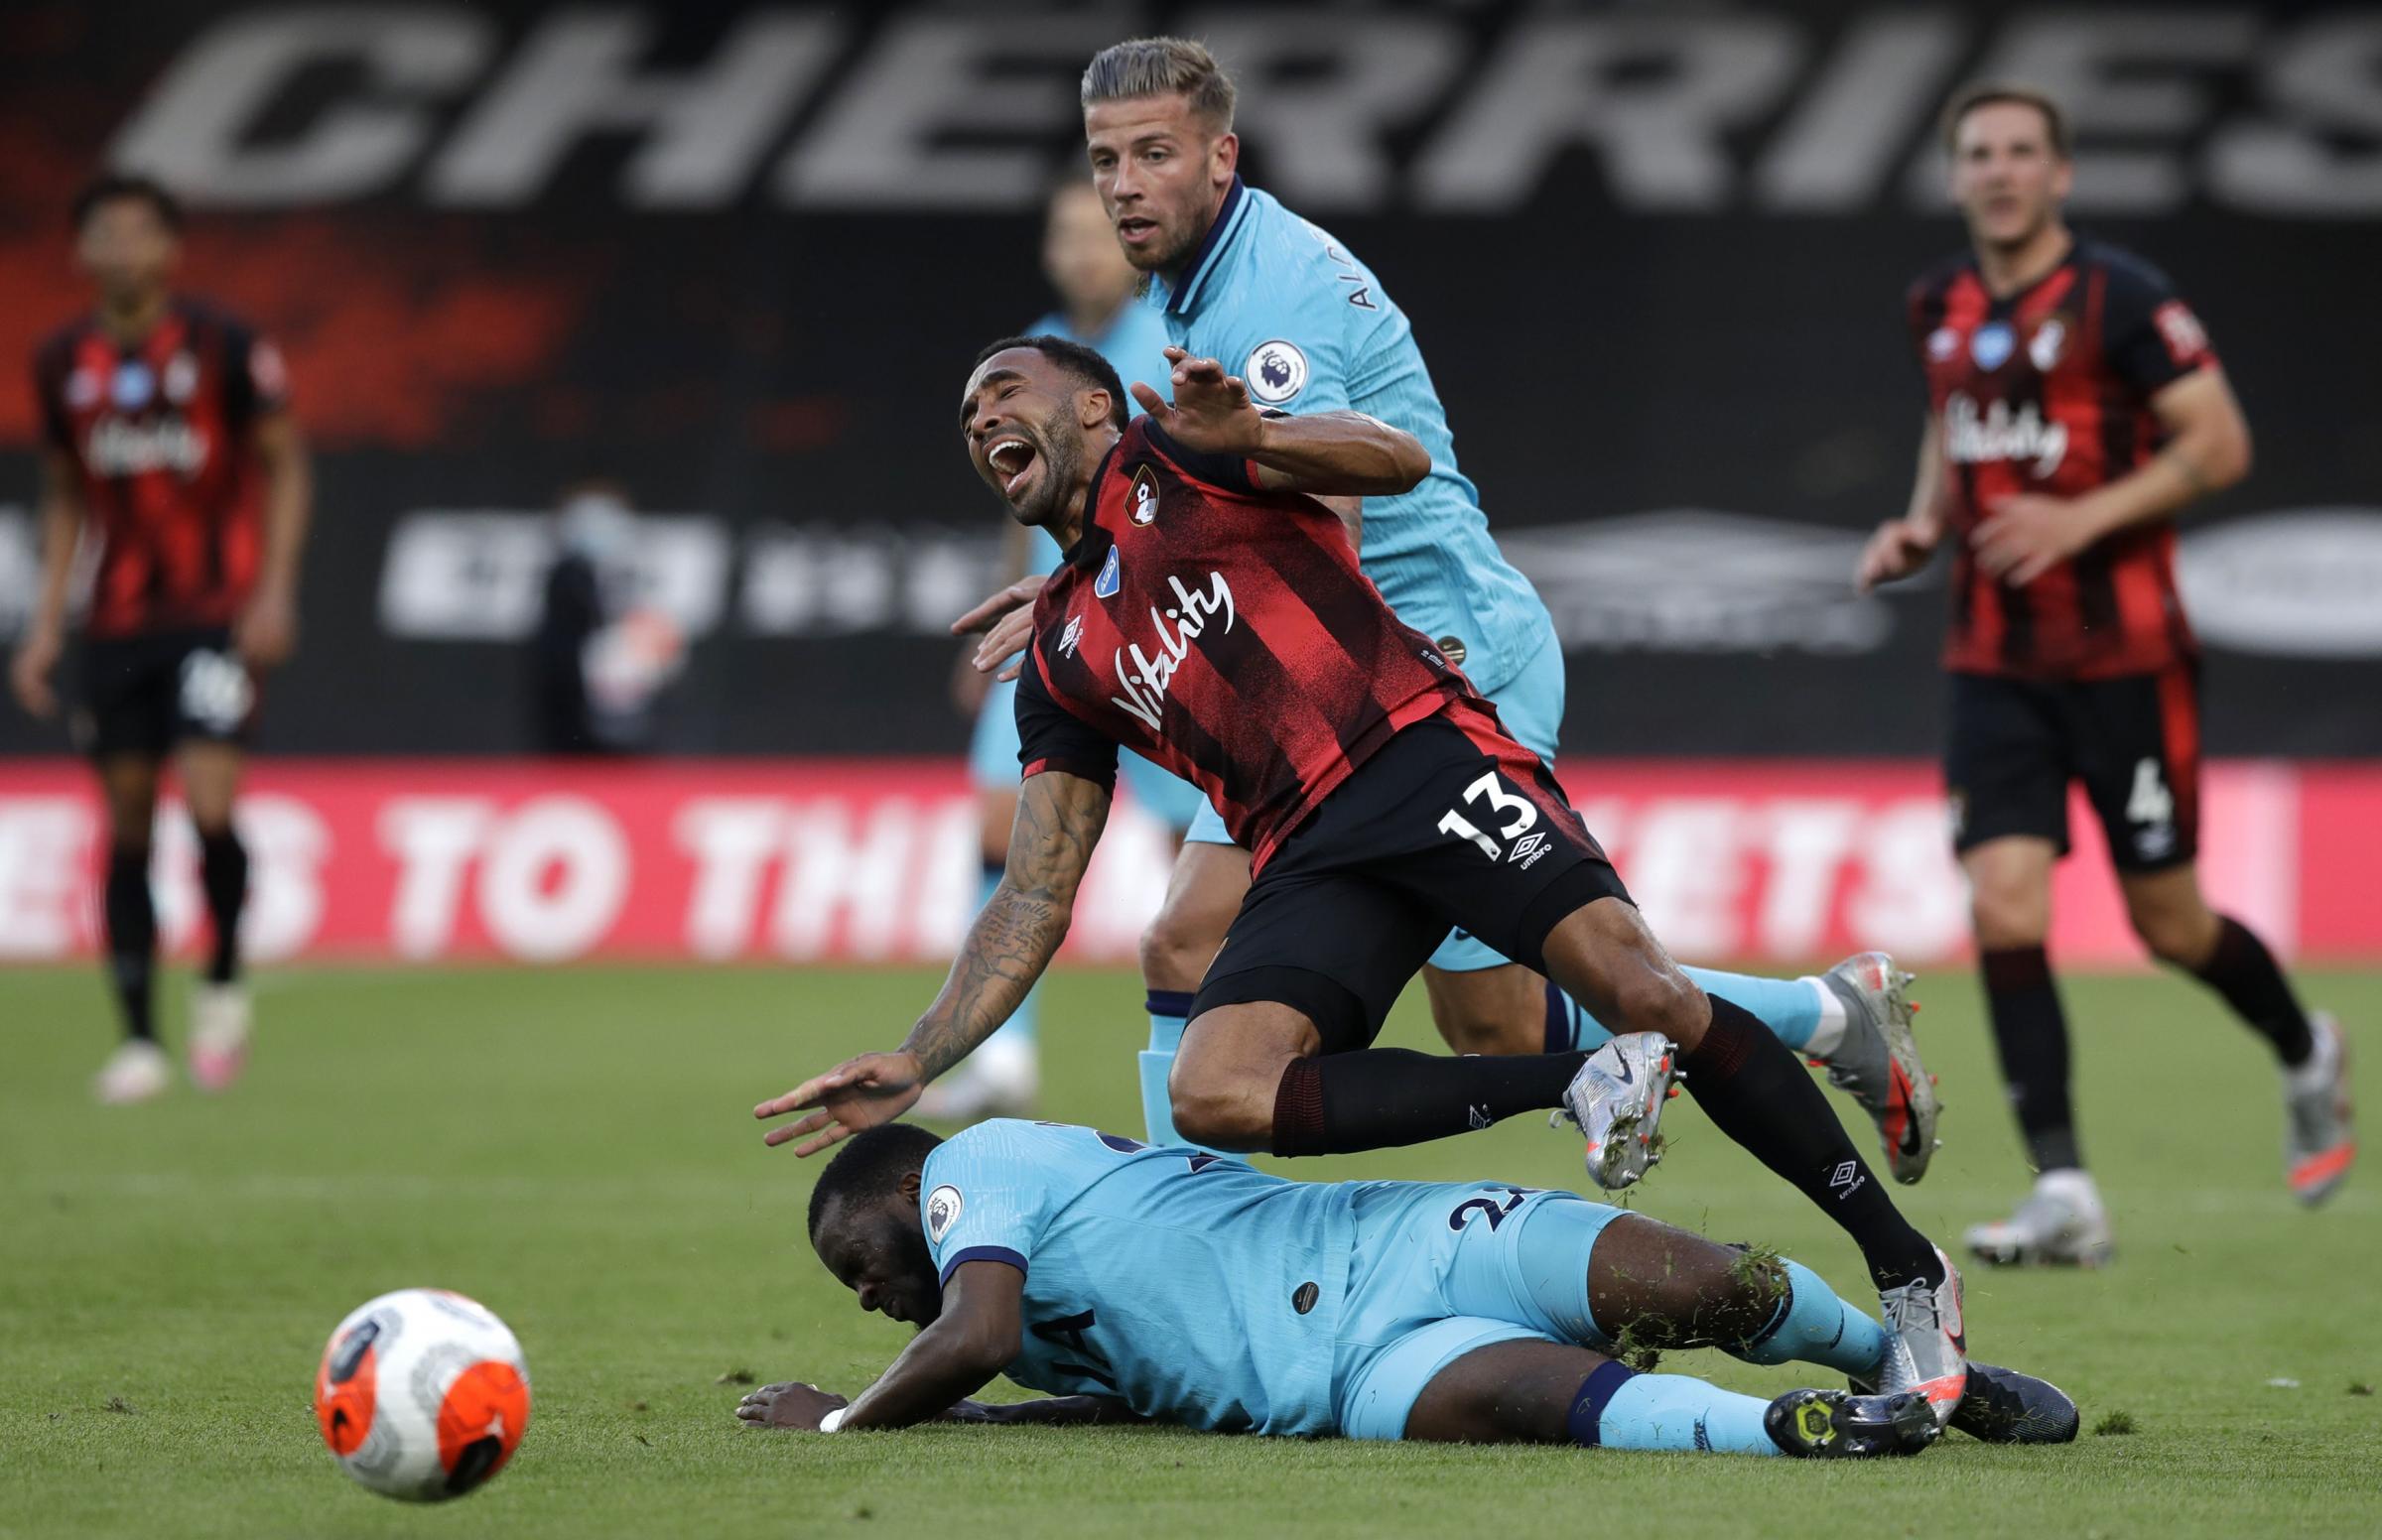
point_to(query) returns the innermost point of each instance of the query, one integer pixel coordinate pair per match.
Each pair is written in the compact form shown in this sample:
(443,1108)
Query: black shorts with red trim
(143,695)
(2134,742)
(1450,826)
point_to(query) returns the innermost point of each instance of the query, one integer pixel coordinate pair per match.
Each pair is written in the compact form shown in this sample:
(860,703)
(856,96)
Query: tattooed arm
(1059,821)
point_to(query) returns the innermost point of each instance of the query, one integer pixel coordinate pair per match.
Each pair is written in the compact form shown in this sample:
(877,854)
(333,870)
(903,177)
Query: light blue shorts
(1439,1271)
(992,765)
(1530,705)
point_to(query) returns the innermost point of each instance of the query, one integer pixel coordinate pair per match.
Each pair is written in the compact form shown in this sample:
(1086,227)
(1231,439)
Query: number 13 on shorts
(1512,816)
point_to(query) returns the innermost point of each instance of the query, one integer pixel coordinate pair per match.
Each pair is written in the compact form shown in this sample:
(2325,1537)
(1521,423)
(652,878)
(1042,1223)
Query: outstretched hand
(1008,620)
(791,1405)
(856,1094)
(1211,411)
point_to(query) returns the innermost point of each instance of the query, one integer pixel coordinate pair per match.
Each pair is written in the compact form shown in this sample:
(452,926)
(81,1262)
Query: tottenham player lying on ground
(1210,616)
(1143,1283)
(1234,275)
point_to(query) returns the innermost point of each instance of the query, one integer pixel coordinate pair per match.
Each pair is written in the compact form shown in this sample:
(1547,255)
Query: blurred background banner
(735,259)
(875,862)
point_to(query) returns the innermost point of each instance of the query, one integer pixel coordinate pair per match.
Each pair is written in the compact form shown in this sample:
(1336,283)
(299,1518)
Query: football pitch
(574,1148)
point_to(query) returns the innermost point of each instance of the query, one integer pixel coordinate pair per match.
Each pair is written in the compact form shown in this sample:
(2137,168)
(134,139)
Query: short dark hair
(871,1166)
(1161,67)
(1081,363)
(115,186)
(1987,93)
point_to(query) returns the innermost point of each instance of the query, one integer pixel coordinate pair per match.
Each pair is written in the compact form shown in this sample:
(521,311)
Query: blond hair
(1163,67)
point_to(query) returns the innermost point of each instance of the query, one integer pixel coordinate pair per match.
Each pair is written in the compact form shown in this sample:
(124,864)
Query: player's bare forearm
(61,527)
(1323,453)
(1078,1411)
(979,1333)
(2207,450)
(289,502)
(44,640)
(1338,455)
(1926,515)
(1059,822)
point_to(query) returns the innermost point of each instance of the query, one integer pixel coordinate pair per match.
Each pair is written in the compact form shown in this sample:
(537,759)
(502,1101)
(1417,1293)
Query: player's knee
(1469,1031)
(2182,939)
(1175,951)
(1665,1000)
(1475,1015)
(2008,914)
(1232,1114)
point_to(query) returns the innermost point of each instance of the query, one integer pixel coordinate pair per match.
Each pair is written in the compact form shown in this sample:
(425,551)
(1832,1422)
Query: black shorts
(143,695)
(1451,824)
(2133,741)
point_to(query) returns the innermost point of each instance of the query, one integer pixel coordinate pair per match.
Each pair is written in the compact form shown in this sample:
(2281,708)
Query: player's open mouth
(1012,461)
(1135,229)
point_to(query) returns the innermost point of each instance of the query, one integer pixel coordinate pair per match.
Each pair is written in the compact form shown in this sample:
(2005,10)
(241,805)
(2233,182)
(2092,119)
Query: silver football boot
(1926,1348)
(2319,1134)
(1617,1102)
(1877,1063)
(2060,1224)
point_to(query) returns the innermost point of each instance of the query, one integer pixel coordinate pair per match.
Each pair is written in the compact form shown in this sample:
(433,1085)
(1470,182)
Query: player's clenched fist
(856,1094)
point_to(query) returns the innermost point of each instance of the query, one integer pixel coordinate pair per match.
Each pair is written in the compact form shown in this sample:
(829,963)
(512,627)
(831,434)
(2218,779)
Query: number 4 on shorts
(2150,801)
(1500,802)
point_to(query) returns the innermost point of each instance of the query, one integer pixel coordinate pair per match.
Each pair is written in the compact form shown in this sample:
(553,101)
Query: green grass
(574,1149)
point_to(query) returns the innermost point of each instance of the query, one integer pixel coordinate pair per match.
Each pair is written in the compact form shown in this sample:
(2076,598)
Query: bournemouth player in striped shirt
(2075,407)
(1210,614)
(168,444)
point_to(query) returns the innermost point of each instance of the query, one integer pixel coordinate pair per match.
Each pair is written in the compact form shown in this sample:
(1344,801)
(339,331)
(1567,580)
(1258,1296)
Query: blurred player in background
(2075,407)
(1096,288)
(1237,277)
(600,659)
(168,440)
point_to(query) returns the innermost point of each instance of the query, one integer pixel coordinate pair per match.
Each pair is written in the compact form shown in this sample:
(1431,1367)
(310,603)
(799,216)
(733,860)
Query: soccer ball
(421,1394)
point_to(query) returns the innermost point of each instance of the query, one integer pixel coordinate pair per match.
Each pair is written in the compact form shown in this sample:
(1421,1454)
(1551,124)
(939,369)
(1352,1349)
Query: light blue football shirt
(1280,303)
(1170,1279)
(1135,343)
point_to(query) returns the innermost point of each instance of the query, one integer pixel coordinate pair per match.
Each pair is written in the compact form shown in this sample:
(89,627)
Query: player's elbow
(2233,455)
(1409,463)
(987,1348)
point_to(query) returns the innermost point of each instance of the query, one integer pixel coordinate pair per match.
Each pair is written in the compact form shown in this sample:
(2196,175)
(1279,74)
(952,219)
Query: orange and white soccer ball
(421,1394)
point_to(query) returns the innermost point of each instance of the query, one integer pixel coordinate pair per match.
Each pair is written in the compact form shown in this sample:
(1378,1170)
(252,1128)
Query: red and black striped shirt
(159,434)
(2047,391)
(1224,632)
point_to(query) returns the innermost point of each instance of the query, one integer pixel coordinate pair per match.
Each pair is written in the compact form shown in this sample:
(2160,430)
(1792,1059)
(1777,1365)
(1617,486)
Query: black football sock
(224,870)
(1379,1098)
(131,939)
(2245,973)
(2031,1032)
(1759,1094)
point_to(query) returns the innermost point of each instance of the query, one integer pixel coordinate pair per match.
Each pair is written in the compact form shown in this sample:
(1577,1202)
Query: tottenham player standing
(1237,277)
(1095,288)
(166,428)
(1214,620)
(2074,406)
